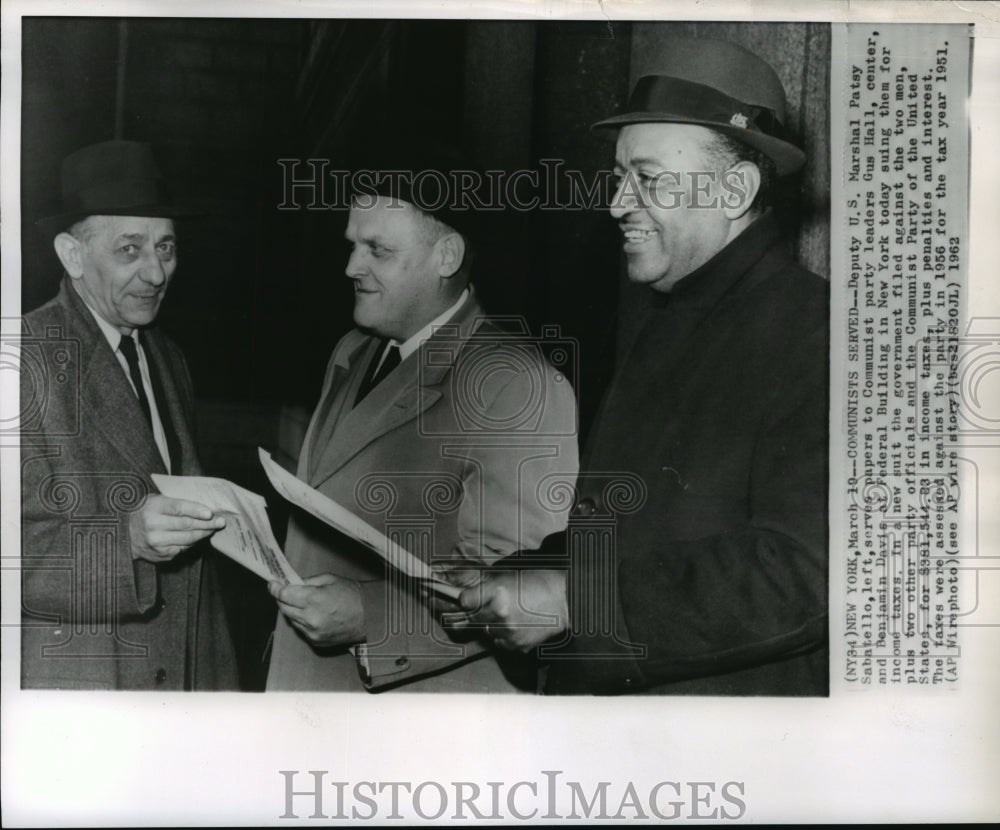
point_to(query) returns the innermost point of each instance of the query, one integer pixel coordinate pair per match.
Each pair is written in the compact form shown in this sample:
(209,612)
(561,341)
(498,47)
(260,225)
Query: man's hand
(163,527)
(461,575)
(518,610)
(325,608)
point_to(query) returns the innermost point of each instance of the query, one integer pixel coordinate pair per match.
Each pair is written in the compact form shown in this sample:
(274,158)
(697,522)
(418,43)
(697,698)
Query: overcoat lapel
(404,394)
(340,386)
(105,391)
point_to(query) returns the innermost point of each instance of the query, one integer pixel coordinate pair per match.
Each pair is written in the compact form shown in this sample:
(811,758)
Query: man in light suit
(438,428)
(112,597)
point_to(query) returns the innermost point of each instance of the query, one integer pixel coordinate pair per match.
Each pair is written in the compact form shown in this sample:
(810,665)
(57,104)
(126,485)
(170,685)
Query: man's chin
(645,276)
(138,321)
(368,325)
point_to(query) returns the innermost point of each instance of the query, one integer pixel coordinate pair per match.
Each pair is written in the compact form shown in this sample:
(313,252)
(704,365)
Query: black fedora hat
(439,178)
(717,84)
(112,178)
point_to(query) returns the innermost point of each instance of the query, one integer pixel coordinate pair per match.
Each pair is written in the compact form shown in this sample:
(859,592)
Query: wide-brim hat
(112,178)
(717,84)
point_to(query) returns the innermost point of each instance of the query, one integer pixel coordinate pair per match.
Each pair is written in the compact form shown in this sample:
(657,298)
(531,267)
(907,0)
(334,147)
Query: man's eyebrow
(134,238)
(371,241)
(634,162)
(167,237)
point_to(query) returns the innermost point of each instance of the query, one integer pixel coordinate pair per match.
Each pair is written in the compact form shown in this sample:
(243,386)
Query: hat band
(106,196)
(700,103)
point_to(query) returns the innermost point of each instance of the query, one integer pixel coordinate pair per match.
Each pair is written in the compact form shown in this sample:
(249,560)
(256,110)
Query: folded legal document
(327,510)
(247,536)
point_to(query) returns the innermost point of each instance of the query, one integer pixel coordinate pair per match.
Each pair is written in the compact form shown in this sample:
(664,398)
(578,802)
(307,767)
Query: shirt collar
(412,343)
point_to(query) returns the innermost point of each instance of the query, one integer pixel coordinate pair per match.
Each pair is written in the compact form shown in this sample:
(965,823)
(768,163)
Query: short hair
(725,151)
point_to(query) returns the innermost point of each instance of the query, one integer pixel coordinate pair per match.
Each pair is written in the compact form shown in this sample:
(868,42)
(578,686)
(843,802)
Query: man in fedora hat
(696,556)
(112,595)
(435,426)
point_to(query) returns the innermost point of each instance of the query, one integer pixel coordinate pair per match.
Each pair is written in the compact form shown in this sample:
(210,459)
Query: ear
(451,252)
(740,184)
(69,249)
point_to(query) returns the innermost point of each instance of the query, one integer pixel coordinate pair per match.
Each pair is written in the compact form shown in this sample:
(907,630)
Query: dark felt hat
(440,179)
(113,178)
(715,84)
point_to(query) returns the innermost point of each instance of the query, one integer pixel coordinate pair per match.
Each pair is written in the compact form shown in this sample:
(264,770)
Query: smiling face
(401,267)
(670,201)
(121,266)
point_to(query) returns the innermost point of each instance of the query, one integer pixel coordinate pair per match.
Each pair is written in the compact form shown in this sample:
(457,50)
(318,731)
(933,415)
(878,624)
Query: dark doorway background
(259,299)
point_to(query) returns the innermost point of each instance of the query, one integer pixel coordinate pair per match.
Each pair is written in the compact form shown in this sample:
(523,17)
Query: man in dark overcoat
(112,594)
(695,561)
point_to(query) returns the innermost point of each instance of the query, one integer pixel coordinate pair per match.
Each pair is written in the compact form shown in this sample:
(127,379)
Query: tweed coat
(93,617)
(706,475)
(459,454)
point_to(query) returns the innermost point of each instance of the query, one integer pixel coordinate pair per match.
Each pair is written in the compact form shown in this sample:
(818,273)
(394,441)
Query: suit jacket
(706,470)
(459,454)
(93,617)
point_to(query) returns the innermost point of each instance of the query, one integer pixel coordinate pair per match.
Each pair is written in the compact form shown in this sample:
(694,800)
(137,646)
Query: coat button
(161,675)
(402,662)
(161,603)
(585,507)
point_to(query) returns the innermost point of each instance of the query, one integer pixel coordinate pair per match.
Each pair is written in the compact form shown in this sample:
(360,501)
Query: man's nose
(625,200)
(355,264)
(154,270)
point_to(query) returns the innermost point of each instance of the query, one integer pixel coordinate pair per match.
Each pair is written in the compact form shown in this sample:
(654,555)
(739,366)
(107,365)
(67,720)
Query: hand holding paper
(326,609)
(518,610)
(247,535)
(164,527)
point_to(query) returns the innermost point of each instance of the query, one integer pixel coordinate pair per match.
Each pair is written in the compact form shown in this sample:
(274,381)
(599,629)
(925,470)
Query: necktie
(128,349)
(376,372)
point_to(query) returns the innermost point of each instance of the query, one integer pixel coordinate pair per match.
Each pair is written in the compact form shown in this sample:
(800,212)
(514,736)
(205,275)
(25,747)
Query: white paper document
(247,536)
(327,510)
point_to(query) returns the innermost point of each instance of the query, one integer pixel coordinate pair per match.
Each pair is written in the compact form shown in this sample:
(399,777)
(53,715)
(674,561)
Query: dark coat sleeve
(672,612)
(728,601)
